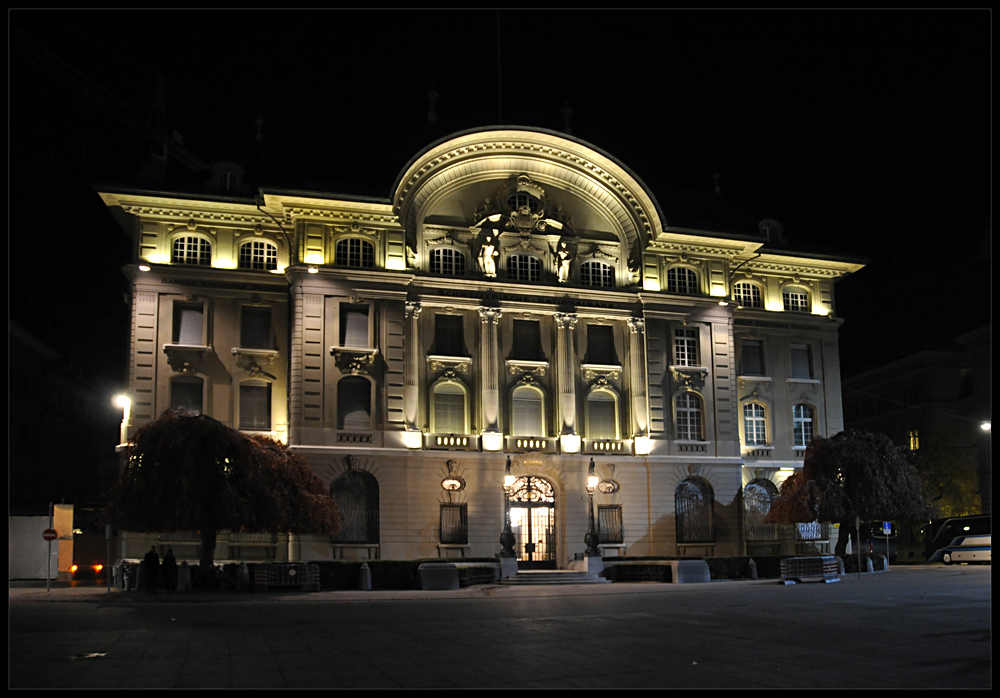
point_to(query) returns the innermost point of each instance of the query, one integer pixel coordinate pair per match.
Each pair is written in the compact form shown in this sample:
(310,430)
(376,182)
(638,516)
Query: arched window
(186,393)
(354,403)
(682,280)
(354,252)
(521,267)
(258,254)
(802,425)
(356,494)
(447,262)
(689,418)
(597,274)
(795,299)
(755,424)
(523,198)
(527,412)
(748,295)
(694,502)
(448,412)
(758,496)
(191,249)
(602,415)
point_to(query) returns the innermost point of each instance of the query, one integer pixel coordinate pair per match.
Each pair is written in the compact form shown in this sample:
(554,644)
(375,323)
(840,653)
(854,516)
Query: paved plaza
(913,627)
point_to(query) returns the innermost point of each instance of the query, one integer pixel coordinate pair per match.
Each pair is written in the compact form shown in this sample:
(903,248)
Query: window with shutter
(354,326)
(449,408)
(602,415)
(527,412)
(255,406)
(801,361)
(189,324)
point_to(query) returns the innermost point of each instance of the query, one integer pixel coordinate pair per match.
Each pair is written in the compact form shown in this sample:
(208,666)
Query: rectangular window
(255,328)
(914,440)
(186,394)
(609,524)
(686,347)
(454,524)
(354,325)
(801,361)
(527,341)
(189,324)
(449,411)
(255,406)
(601,345)
(751,357)
(796,301)
(449,336)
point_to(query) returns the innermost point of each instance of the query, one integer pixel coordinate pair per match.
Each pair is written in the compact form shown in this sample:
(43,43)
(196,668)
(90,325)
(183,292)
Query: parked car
(970,549)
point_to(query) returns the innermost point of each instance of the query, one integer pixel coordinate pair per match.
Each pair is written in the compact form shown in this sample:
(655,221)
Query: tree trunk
(207,557)
(847,532)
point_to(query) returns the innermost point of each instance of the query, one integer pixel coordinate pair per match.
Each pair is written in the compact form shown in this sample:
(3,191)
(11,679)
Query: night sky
(866,134)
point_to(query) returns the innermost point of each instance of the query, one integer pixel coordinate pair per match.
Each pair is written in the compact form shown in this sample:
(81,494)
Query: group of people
(153,572)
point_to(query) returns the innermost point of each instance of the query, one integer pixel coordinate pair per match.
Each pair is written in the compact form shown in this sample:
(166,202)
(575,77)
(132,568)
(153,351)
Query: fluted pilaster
(565,372)
(411,389)
(637,376)
(489,348)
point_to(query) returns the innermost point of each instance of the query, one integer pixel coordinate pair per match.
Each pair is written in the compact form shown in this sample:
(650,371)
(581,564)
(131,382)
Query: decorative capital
(636,325)
(413,309)
(490,314)
(566,320)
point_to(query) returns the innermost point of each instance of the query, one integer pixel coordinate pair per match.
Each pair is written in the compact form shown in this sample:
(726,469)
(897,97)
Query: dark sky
(865,133)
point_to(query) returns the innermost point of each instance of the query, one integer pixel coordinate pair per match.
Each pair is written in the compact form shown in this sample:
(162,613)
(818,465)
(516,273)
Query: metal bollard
(365,577)
(753,569)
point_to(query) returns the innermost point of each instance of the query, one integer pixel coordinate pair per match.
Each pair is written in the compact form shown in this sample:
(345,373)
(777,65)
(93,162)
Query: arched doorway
(533,521)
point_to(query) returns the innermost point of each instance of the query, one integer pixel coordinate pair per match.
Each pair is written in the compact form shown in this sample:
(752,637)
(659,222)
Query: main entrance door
(533,521)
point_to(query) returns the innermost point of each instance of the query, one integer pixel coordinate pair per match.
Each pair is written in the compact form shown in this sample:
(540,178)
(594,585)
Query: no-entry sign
(49,534)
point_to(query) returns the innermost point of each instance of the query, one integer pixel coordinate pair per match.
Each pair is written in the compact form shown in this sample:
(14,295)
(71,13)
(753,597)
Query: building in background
(520,295)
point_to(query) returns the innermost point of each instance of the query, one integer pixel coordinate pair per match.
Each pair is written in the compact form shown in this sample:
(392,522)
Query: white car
(970,549)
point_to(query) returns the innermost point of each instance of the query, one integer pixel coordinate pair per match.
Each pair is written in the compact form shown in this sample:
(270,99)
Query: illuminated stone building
(520,295)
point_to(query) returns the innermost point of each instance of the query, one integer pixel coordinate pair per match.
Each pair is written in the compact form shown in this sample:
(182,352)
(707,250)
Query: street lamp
(507,537)
(126,404)
(591,539)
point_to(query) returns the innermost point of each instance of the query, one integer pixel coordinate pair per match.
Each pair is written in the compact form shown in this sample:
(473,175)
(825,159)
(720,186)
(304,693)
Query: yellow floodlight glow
(985,426)
(395,263)
(718,291)
(413,439)
(492,441)
(313,270)
(774,306)
(219,264)
(279,270)
(820,310)
(569,443)
(154,259)
(643,445)
(314,258)
(121,401)
(650,285)
(143,267)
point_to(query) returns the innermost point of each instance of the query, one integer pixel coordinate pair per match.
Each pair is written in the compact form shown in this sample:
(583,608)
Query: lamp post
(126,404)
(507,537)
(591,539)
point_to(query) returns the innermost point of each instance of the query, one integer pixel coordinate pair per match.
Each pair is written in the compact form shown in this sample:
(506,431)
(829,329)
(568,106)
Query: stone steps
(553,577)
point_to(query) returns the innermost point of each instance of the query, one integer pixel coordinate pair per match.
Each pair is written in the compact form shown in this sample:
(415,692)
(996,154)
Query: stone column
(411,391)
(489,377)
(637,383)
(566,380)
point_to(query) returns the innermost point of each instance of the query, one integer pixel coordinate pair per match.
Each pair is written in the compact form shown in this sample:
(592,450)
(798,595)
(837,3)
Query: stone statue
(487,257)
(563,255)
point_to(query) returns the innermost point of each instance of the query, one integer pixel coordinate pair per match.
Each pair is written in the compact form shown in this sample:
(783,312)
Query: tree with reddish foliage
(851,474)
(193,473)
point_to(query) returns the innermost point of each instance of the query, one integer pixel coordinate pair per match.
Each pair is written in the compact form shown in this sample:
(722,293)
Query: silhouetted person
(151,565)
(169,572)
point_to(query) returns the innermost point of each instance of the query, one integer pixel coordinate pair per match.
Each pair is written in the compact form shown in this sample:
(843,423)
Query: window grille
(354,403)
(601,345)
(354,325)
(447,262)
(751,357)
(694,502)
(802,424)
(748,295)
(521,267)
(255,406)
(526,412)
(258,254)
(454,524)
(609,524)
(597,274)
(192,250)
(357,496)
(682,280)
(449,408)
(255,328)
(186,394)
(755,424)
(796,301)
(602,419)
(354,252)
(689,417)
(758,496)
(801,361)
(523,198)
(189,324)
(686,347)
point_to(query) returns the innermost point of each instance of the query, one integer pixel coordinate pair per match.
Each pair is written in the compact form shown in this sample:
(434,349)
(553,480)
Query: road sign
(49,534)
(886,529)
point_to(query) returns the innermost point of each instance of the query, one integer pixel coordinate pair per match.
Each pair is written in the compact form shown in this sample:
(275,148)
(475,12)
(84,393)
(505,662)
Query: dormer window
(523,198)
(597,274)
(354,252)
(795,300)
(447,262)
(191,249)
(748,295)
(258,254)
(682,280)
(521,267)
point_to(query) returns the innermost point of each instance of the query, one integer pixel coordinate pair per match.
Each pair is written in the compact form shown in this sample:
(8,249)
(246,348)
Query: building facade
(521,296)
